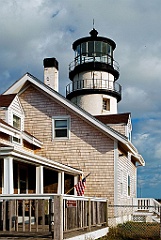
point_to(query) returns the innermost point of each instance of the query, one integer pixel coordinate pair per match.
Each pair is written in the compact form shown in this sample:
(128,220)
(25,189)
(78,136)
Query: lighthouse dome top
(94,37)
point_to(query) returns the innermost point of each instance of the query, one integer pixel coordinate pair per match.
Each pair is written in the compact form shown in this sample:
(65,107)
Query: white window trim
(68,127)
(15,142)
(108,103)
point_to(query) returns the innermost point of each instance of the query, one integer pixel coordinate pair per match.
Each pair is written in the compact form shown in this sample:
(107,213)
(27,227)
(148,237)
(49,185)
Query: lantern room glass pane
(109,49)
(90,48)
(98,48)
(84,48)
(78,51)
(104,48)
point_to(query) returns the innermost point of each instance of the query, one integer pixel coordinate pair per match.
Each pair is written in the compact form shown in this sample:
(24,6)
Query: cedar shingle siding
(87,149)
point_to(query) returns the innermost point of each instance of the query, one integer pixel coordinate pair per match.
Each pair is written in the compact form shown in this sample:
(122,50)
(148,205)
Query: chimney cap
(50,62)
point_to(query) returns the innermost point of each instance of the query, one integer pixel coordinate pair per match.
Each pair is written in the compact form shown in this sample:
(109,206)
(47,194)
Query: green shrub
(134,231)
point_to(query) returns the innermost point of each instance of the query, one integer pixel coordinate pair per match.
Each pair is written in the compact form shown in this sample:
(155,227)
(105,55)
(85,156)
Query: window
(16,122)
(16,140)
(106,104)
(128,185)
(61,127)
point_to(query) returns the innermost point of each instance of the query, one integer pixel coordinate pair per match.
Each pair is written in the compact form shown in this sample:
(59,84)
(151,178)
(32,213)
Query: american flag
(80,187)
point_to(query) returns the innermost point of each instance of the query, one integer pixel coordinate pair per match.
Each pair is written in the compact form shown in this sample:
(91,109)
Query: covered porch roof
(29,157)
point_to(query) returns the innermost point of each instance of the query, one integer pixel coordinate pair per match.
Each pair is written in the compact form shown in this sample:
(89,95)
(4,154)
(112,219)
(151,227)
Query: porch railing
(147,204)
(84,212)
(51,213)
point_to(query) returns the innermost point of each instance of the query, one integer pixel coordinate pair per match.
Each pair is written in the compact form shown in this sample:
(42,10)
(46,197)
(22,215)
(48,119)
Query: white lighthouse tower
(94,73)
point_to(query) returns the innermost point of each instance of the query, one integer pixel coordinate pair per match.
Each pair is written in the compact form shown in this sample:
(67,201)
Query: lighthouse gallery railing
(107,59)
(94,84)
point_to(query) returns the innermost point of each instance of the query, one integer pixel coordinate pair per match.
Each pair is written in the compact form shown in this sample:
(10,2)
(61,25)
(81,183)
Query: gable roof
(6,100)
(114,118)
(27,79)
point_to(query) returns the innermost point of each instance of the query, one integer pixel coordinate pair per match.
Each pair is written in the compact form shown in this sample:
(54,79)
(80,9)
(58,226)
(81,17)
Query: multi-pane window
(16,122)
(61,127)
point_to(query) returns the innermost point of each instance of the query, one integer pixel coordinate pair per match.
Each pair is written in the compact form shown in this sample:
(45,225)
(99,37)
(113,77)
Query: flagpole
(69,190)
(74,185)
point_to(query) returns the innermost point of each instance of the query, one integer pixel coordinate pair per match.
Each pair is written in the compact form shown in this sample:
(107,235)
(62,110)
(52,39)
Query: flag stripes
(80,187)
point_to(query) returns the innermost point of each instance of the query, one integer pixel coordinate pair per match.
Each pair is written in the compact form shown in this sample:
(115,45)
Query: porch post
(62,183)
(39,180)
(8,175)
(58,217)
(59,183)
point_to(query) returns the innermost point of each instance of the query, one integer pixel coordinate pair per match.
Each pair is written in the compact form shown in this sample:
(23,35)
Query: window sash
(16,122)
(60,128)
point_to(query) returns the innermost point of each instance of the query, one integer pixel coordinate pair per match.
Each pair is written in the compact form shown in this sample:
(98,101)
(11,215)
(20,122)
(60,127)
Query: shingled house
(48,140)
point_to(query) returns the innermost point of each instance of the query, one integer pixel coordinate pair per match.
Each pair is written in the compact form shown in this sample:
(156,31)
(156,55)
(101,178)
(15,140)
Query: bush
(134,231)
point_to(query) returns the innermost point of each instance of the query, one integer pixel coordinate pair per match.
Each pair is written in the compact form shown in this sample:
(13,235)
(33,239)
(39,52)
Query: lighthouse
(94,74)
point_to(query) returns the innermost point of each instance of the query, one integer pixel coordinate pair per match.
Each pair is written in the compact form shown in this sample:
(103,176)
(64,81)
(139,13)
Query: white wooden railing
(147,204)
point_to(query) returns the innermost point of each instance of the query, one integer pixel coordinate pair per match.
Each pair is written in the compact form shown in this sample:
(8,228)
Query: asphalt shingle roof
(114,118)
(6,100)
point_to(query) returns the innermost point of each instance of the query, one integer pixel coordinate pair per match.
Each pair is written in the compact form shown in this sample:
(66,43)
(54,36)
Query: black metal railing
(107,59)
(93,84)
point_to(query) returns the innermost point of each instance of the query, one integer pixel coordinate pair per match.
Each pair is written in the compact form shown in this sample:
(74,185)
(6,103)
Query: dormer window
(16,122)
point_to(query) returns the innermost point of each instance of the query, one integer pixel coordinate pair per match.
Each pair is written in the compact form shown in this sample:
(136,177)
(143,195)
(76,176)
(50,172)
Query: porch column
(8,176)
(60,183)
(39,180)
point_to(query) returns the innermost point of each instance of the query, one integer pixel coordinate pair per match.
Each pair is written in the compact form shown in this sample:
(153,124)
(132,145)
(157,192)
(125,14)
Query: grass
(134,231)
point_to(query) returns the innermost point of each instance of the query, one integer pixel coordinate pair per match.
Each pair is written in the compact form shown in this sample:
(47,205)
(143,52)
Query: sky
(33,30)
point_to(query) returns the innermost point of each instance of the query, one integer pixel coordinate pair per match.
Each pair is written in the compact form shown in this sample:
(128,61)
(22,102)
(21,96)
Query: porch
(53,216)
(146,209)
(23,172)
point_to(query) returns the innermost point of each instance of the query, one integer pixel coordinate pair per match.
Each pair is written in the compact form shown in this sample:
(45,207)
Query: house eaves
(129,147)
(11,131)
(31,139)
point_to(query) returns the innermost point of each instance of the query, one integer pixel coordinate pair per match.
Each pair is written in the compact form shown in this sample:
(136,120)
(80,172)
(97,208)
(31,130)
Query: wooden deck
(45,235)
